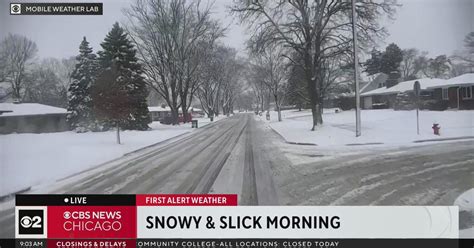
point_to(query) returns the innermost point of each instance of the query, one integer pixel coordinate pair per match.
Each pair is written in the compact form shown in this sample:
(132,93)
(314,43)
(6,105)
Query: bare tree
(171,37)
(408,68)
(233,83)
(219,80)
(275,67)
(55,73)
(42,85)
(63,69)
(438,67)
(469,46)
(463,61)
(16,53)
(210,83)
(316,30)
(257,83)
(336,78)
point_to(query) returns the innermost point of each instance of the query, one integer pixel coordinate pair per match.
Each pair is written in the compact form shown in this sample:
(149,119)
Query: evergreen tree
(80,115)
(112,103)
(391,59)
(119,51)
(387,62)
(372,65)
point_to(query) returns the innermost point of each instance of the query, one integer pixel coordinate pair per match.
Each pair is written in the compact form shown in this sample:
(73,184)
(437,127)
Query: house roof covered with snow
(167,108)
(158,109)
(425,83)
(17,109)
(374,84)
(465,79)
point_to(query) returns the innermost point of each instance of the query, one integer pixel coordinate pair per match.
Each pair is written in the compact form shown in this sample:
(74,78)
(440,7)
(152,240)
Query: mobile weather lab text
(243,222)
(56,8)
(92,221)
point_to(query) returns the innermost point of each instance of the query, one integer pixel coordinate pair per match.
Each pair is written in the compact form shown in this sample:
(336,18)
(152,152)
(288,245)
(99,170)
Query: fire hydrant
(436,128)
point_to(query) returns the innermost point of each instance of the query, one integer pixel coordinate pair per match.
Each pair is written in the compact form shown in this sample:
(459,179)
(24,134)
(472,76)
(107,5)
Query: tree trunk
(185,114)
(314,113)
(279,113)
(174,116)
(311,84)
(321,110)
(118,133)
(184,109)
(277,107)
(211,115)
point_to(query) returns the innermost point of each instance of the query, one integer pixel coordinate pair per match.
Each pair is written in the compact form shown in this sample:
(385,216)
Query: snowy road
(434,174)
(241,155)
(414,175)
(229,156)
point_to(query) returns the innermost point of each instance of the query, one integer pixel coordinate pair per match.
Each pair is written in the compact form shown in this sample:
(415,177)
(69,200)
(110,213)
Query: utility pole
(356,69)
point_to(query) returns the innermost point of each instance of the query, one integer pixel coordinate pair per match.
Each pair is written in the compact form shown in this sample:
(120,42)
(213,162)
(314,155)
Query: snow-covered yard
(31,159)
(378,126)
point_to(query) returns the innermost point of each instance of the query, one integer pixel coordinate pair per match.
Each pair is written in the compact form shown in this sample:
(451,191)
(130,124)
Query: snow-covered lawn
(31,159)
(378,126)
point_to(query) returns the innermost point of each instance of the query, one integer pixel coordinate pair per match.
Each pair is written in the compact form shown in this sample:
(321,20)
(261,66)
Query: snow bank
(32,159)
(466,201)
(378,126)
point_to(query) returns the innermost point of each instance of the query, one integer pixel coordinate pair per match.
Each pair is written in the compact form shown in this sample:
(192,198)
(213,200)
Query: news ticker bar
(236,243)
(56,8)
(211,216)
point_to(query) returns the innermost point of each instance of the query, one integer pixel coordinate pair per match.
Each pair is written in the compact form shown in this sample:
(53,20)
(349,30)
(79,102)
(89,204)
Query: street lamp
(356,70)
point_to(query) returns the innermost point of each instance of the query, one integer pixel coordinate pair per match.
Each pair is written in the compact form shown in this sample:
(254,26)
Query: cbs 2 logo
(31,222)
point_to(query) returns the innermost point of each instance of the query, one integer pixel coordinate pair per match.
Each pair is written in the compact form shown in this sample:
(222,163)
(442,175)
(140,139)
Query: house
(435,94)
(456,92)
(378,82)
(31,118)
(160,113)
(386,97)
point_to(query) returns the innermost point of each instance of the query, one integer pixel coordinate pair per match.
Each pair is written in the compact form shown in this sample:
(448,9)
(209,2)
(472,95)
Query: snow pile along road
(31,159)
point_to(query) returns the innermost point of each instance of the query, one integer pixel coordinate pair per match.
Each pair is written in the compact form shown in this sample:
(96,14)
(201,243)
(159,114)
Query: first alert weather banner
(216,220)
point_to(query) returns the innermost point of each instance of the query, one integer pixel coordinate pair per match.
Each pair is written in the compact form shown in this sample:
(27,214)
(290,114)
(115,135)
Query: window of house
(426,93)
(466,92)
(445,94)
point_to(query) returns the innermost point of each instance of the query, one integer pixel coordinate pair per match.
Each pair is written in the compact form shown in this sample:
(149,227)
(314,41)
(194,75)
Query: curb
(301,143)
(444,139)
(364,144)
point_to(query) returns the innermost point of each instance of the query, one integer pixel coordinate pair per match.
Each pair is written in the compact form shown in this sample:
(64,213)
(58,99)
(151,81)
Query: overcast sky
(436,26)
